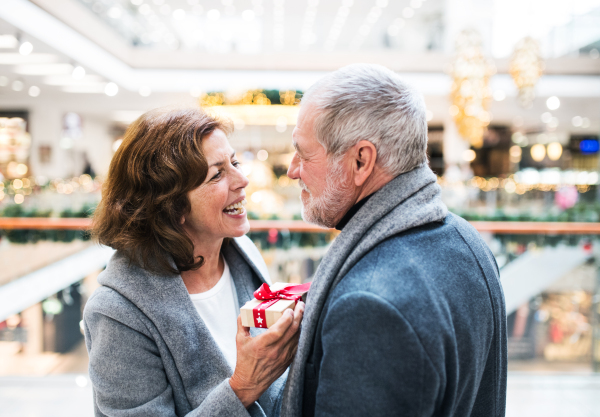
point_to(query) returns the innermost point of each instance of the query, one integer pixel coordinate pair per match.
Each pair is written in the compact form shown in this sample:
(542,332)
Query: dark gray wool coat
(150,352)
(405,316)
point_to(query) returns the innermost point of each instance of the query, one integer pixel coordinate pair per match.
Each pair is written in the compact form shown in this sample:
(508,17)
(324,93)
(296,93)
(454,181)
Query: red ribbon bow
(290,292)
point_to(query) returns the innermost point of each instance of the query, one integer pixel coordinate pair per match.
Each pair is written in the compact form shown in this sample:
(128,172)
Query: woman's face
(217,208)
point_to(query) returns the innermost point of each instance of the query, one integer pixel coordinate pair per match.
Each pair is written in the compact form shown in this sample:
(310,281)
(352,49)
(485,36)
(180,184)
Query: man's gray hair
(370,102)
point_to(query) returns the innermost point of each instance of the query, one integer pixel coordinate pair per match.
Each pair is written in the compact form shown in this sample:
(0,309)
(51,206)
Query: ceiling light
(63,80)
(115,12)
(499,95)
(145,9)
(26,48)
(145,91)
(8,41)
(111,89)
(213,14)
(78,73)
(248,15)
(469,155)
(554,151)
(393,30)
(262,155)
(96,88)
(577,120)
(11,58)
(17,85)
(553,103)
(515,153)
(546,117)
(34,91)
(538,152)
(338,24)
(307,35)
(43,69)
(179,14)
(585,123)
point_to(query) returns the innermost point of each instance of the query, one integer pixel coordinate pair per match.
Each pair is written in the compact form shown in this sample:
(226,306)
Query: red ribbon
(290,292)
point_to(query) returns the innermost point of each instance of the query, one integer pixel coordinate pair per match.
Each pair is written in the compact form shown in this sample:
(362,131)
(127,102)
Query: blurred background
(513,96)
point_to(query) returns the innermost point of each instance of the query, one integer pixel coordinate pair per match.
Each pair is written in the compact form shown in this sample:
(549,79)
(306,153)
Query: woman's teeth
(237,208)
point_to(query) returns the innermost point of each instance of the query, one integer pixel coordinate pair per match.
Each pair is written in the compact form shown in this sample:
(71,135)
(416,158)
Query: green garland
(33,236)
(581,212)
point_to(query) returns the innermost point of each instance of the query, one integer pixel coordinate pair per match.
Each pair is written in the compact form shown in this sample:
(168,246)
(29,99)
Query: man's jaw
(324,210)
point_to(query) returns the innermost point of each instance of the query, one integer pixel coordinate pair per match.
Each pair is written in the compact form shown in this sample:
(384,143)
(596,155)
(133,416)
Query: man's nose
(292,171)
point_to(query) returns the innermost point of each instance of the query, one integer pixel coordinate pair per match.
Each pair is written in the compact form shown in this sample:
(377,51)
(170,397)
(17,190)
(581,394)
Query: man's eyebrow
(297,147)
(221,163)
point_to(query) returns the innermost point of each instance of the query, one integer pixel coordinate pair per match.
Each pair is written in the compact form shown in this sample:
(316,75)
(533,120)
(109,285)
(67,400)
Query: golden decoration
(470,92)
(15,144)
(250,97)
(288,98)
(526,68)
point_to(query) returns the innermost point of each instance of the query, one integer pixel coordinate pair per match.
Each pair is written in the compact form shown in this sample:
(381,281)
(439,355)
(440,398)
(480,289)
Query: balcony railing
(500,227)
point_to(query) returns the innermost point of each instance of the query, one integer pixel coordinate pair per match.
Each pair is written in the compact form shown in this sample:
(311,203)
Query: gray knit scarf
(412,199)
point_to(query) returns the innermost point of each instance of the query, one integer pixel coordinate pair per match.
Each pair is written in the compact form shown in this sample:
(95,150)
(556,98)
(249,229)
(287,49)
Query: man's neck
(373,184)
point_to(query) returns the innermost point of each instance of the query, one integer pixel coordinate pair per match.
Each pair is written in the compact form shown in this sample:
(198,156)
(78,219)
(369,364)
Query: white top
(219,309)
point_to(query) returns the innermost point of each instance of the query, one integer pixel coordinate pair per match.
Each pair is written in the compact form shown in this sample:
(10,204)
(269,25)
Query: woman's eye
(217,175)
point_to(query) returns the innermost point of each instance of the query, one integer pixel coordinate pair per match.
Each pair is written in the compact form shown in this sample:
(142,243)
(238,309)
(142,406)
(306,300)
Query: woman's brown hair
(145,193)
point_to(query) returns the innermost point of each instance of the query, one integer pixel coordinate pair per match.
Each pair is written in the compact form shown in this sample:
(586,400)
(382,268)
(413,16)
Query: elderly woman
(161,330)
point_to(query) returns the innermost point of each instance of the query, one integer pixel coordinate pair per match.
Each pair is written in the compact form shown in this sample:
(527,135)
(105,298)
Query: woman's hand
(264,358)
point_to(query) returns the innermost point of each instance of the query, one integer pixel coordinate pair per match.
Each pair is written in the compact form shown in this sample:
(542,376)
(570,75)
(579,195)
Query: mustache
(303,186)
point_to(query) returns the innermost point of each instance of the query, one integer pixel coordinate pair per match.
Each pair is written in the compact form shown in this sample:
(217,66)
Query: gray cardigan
(150,352)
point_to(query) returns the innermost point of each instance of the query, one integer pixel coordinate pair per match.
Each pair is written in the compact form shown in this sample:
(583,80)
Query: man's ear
(365,156)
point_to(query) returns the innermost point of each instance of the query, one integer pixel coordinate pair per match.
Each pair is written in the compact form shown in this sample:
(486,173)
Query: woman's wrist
(245,392)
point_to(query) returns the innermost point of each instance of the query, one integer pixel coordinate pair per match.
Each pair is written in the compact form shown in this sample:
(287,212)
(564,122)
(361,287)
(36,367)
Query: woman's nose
(241,180)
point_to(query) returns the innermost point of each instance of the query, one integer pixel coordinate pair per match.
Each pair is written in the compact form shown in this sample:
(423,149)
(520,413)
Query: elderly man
(406,314)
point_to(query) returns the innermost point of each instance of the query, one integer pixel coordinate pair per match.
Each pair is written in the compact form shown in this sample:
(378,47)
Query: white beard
(325,210)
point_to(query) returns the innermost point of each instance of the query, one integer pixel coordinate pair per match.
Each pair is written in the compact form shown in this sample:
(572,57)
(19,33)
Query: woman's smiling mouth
(236,208)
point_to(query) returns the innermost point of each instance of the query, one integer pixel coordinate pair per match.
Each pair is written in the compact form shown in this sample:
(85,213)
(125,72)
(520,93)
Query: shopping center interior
(512,90)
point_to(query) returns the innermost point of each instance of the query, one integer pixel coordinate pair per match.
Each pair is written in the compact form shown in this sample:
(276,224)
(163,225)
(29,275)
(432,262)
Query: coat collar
(164,300)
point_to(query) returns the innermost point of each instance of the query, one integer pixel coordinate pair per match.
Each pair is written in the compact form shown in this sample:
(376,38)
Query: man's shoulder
(420,249)
(423,249)
(421,270)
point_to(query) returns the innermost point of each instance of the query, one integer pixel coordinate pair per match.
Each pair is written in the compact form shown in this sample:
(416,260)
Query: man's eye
(237,164)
